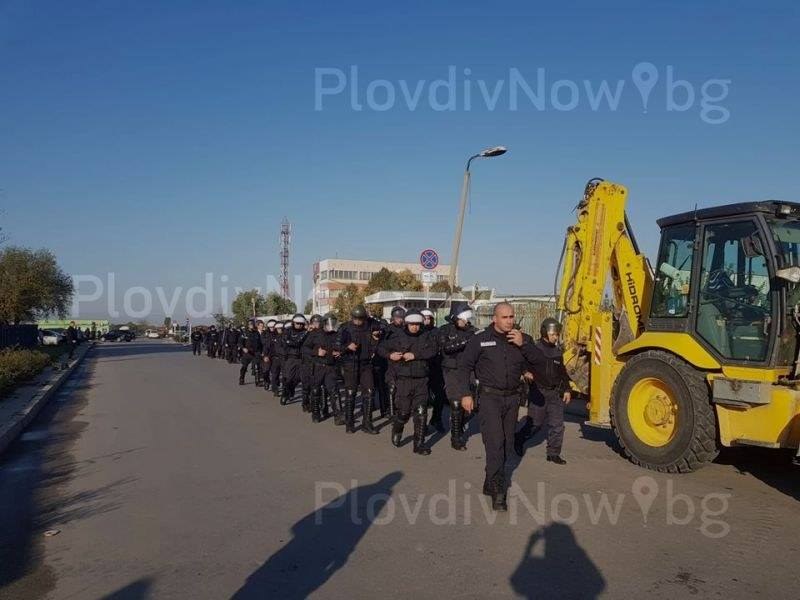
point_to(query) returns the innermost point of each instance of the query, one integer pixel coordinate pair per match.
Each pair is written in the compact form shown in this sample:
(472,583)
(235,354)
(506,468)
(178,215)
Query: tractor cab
(730,277)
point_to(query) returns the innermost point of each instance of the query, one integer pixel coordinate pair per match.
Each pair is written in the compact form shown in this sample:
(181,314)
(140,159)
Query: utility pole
(286,239)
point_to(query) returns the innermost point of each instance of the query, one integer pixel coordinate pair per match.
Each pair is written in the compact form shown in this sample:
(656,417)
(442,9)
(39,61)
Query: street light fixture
(488,153)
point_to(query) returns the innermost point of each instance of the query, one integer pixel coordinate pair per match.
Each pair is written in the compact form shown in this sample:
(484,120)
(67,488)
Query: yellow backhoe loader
(699,352)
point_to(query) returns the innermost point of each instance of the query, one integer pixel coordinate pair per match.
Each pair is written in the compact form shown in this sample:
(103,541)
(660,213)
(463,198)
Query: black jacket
(452,342)
(252,342)
(197,336)
(327,341)
(362,335)
(422,346)
(547,361)
(497,363)
(293,341)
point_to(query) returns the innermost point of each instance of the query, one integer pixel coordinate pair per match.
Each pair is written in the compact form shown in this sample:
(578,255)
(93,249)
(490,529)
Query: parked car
(116,335)
(50,338)
(152,333)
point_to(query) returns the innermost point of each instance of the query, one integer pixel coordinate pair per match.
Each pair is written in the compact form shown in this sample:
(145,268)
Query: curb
(22,418)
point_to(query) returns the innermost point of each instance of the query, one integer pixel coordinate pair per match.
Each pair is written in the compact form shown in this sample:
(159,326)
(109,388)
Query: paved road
(164,479)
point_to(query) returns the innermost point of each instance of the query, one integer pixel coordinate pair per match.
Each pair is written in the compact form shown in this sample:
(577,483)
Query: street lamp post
(488,153)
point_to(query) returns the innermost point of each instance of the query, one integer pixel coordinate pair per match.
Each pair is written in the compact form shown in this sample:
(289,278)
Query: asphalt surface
(161,478)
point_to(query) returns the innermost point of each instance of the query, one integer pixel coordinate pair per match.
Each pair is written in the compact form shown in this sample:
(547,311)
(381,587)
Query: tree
(444,287)
(221,320)
(348,298)
(278,305)
(246,303)
(32,285)
(386,280)
(309,307)
(408,281)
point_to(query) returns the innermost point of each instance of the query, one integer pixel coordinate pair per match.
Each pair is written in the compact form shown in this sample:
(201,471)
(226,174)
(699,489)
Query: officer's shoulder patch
(491,343)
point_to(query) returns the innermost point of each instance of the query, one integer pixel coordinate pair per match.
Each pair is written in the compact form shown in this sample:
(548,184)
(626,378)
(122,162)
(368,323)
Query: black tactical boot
(241,380)
(316,406)
(349,411)
(306,400)
(487,487)
(391,401)
(555,458)
(336,403)
(366,406)
(456,427)
(420,419)
(286,395)
(499,495)
(397,429)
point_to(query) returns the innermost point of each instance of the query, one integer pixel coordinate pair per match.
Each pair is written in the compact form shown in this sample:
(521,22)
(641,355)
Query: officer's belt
(487,389)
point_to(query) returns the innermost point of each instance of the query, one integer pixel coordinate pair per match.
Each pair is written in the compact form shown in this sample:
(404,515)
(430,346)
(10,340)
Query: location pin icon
(645,490)
(645,77)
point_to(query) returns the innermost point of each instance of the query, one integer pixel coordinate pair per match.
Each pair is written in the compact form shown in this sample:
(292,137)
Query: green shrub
(17,366)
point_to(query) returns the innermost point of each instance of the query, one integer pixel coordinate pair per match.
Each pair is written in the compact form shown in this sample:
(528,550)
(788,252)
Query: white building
(334,274)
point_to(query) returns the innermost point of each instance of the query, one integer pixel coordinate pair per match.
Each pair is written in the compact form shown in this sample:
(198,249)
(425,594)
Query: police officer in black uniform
(410,351)
(267,337)
(212,339)
(324,354)
(197,341)
(293,339)
(453,338)
(357,341)
(251,351)
(277,355)
(550,392)
(436,377)
(396,325)
(307,367)
(495,356)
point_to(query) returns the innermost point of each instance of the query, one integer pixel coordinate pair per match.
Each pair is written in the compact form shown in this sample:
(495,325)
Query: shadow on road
(322,543)
(32,474)
(562,570)
(138,590)
(773,467)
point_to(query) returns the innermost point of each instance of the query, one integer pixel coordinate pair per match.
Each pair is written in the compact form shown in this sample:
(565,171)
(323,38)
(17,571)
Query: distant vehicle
(50,338)
(118,335)
(152,333)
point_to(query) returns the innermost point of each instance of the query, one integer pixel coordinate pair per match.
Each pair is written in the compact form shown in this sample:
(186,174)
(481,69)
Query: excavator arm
(601,255)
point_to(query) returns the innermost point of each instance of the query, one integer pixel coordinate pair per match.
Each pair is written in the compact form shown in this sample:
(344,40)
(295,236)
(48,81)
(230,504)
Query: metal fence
(24,336)
(529,314)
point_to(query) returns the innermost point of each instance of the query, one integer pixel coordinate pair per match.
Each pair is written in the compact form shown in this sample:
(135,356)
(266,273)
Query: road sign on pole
(429,259)
(428,277)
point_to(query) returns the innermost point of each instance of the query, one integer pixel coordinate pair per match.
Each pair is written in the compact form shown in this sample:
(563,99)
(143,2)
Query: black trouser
(249,358)
(358,374)
(437,391)
(275,371)
(498,420)
(196,347)
(292,374)
(324,376)
(412,396)
(211,349)
(547,407)
(307,373)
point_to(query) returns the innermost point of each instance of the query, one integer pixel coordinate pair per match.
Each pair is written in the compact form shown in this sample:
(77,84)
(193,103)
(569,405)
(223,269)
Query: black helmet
(398,311)
(359,312)
(459,310)
(330,322)
(549,325)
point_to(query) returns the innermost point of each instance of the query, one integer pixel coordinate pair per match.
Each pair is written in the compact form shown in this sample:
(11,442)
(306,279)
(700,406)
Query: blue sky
(185,131)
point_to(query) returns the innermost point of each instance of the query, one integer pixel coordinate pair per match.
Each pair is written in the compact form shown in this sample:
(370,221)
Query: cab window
(673,272)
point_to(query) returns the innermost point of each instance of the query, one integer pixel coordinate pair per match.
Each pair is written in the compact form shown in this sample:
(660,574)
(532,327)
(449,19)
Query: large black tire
(695,441)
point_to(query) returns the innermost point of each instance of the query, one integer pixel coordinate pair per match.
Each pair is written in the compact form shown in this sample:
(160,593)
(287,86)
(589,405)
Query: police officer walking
(307,366)
(293,339)
(396,325)
(495,356)
(357,341)
(277,355)
(436,377)
(410,351)
(550,392)
(453,338)
(212,339)
(251,351)
(197,340)
(324,354)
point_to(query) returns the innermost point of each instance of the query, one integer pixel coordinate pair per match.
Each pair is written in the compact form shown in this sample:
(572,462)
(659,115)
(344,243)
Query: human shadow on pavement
(565,570)
(136,590)
(322,543)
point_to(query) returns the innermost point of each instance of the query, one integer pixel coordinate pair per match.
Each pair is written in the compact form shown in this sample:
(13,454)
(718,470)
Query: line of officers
(402,367)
